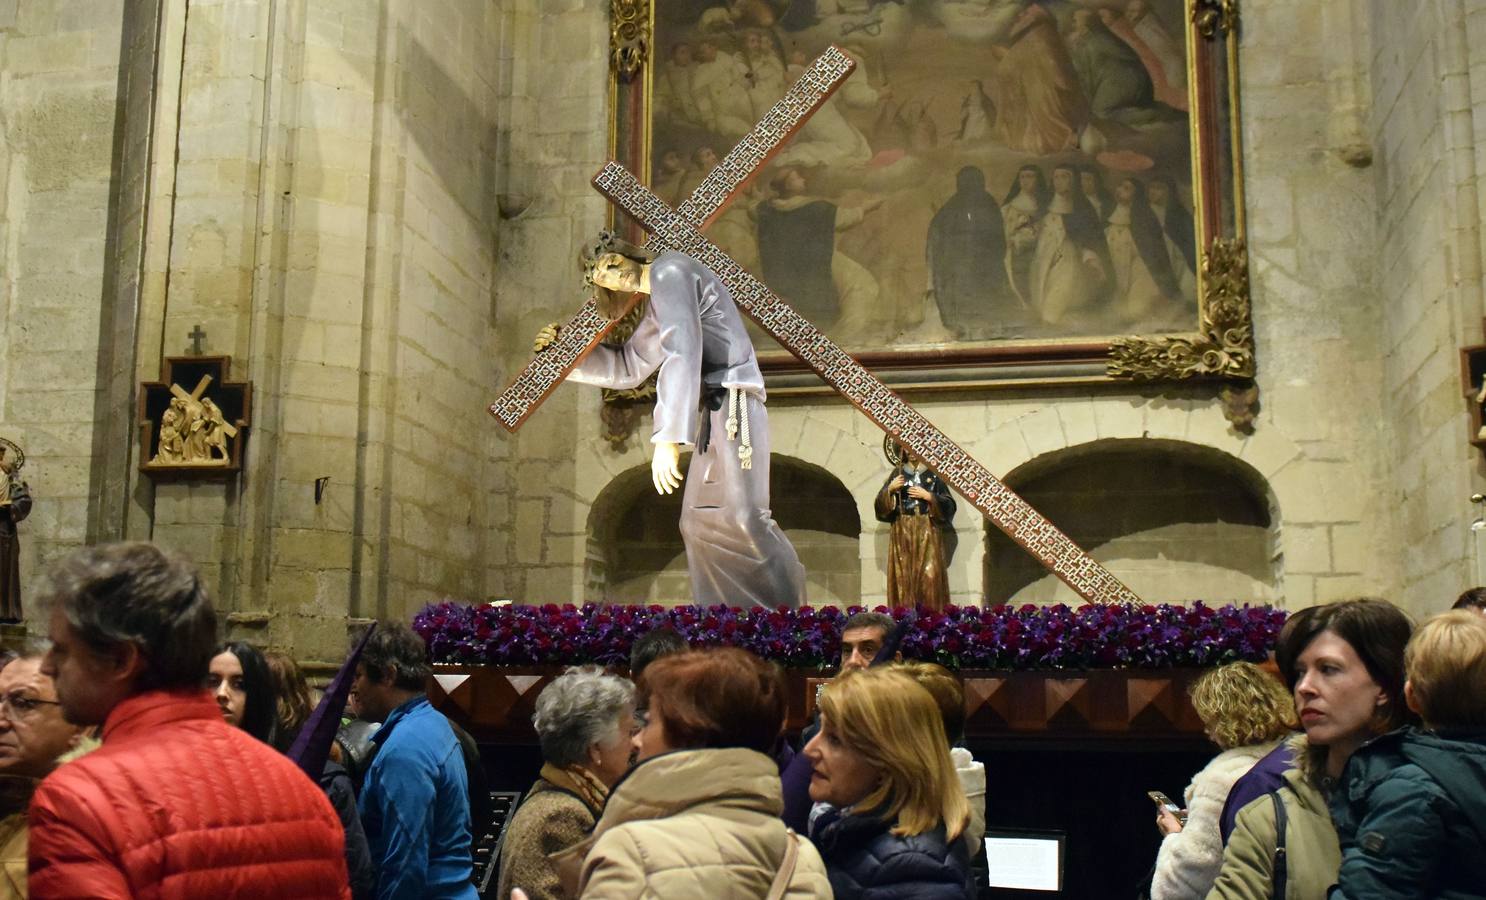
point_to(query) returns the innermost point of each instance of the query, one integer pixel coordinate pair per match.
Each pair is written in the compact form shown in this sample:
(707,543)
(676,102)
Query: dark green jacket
(1411,818)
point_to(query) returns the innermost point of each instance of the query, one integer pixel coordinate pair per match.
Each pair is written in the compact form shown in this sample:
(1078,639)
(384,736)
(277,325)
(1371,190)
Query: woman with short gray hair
(584,720)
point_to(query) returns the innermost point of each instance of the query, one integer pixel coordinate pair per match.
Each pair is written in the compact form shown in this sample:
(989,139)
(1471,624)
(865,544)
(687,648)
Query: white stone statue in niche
(193,431)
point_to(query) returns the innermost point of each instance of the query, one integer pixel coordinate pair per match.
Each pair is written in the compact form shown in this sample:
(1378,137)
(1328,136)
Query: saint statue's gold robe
(916,567)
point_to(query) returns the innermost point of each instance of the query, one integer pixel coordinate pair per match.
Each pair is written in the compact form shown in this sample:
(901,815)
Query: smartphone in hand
(1167,804)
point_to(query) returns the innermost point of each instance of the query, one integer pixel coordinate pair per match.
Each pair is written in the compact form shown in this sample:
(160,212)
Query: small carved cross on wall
(197,336)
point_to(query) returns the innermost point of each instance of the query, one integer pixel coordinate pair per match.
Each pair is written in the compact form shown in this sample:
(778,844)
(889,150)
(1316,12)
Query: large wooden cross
(681,230)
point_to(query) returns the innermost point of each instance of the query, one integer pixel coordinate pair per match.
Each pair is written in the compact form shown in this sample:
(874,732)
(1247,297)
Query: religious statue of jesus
(692,334)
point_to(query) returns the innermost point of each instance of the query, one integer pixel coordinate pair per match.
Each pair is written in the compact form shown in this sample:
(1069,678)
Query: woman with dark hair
(238,677)
(699,815)
(1473,599)
(1344,664)
(288,699)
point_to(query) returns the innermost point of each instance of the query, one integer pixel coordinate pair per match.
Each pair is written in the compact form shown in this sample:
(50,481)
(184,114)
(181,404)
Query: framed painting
(1004,192)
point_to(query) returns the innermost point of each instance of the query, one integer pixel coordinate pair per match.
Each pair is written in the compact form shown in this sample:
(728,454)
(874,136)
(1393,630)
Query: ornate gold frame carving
(1224,348)
(1215,18)
(629,36)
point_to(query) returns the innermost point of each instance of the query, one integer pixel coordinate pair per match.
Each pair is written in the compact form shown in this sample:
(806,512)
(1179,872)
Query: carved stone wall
(60,81)
(1427,122)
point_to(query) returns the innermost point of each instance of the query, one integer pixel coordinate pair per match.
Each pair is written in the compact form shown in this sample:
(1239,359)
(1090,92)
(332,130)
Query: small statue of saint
(919,507)
(15,505)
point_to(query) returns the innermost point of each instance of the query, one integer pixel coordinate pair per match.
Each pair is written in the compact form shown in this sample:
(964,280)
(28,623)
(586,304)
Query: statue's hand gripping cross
(681,230)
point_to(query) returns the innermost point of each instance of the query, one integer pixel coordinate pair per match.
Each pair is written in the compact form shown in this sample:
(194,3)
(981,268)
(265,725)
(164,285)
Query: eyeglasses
(20,706)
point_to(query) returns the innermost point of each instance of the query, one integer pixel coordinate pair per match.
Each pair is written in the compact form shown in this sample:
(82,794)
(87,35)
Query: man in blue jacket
(415,801)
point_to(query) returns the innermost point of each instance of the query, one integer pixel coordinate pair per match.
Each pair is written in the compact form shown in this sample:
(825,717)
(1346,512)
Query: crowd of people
(140,757)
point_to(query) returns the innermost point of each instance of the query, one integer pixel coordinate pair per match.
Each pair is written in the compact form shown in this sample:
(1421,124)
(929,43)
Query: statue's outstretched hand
(545,337)
(665,470)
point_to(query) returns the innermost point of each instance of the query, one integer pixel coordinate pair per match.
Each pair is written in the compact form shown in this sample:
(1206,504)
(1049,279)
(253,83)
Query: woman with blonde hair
(949,694)
(1246,711)
(896,812)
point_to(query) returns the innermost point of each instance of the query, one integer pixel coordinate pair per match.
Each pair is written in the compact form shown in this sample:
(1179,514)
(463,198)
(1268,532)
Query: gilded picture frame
(947,168)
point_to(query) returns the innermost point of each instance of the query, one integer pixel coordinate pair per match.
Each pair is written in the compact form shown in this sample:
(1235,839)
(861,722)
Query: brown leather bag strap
(786,868)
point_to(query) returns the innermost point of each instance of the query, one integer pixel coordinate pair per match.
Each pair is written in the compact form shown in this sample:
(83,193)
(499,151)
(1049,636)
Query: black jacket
(866,861)
(360,866)
(1410,815)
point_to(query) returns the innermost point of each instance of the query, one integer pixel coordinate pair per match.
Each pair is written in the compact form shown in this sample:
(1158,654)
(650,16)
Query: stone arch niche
(635,554)
(1176,521)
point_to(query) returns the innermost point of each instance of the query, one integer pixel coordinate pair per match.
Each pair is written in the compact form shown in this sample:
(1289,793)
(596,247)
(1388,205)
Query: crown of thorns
(608,242)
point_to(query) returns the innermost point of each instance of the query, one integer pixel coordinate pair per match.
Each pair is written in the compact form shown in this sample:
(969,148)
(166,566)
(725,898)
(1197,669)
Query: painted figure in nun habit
(709,396)
(1144,282)
(967,259)
(1176,224)
(1070,266)
(1026,204)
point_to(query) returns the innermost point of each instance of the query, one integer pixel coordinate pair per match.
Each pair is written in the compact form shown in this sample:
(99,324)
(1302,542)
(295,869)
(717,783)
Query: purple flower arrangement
(967,637)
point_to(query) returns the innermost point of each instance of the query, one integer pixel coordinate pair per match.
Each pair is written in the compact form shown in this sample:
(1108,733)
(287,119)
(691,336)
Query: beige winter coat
(1311,849)
(694,823)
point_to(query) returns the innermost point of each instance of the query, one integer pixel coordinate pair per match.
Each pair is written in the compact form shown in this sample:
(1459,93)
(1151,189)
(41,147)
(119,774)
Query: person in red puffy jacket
(176,803)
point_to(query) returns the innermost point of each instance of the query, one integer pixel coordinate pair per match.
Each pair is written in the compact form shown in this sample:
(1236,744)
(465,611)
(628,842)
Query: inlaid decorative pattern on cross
(974,481)
(579,335)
